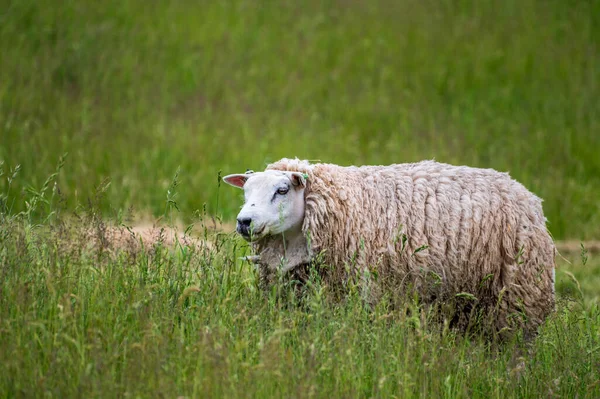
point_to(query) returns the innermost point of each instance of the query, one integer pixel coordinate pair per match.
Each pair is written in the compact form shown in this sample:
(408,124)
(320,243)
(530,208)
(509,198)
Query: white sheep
(448,231)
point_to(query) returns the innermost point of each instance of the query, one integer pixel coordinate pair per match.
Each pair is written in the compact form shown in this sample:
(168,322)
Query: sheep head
(273,203)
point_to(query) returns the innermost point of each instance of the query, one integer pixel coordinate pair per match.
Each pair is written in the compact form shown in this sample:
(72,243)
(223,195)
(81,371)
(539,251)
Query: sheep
(447,231)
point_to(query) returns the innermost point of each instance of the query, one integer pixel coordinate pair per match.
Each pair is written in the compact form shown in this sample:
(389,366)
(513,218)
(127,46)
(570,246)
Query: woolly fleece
(485,233)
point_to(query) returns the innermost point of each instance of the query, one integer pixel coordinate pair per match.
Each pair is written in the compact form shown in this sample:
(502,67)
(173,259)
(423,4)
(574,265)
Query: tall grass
(170,324)
(132,90)
(139,106)
(83,317)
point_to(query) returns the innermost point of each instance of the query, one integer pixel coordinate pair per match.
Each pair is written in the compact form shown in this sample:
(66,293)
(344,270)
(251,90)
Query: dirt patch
(575,246)
(149,235)
(145,236)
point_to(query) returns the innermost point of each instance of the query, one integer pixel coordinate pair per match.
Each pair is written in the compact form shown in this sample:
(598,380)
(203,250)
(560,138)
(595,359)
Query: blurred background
(136,91)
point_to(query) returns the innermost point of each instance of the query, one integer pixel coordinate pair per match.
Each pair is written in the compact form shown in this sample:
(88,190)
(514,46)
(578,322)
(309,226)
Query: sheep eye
(282,191)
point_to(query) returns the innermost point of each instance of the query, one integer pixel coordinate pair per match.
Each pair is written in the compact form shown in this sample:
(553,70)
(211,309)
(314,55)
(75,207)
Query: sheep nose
(245,222)
(243,226)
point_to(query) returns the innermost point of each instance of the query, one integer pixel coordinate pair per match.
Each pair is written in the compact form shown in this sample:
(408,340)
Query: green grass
(139,92)
(184,323)
(132,90)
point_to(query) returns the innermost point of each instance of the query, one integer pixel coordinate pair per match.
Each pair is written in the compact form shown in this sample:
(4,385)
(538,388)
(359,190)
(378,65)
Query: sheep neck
(284,251)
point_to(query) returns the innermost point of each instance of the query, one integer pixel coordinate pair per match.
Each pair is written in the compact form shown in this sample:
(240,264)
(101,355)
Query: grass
(152,101)
(83,320)
(133,90)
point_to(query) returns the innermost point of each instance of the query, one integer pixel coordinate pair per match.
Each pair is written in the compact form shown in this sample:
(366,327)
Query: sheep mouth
(252,235)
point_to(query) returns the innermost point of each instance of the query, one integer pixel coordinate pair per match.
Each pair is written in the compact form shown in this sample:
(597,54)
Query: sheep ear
(298,179)
(236,180)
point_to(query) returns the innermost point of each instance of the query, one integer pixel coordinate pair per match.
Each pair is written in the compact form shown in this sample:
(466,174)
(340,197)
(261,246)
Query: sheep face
(274,203)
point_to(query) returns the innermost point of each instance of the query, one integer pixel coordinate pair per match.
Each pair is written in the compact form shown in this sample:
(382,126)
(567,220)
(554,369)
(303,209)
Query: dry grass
(150,235)
(576,246)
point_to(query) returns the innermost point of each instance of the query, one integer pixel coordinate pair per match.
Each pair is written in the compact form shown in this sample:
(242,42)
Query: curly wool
(479,231)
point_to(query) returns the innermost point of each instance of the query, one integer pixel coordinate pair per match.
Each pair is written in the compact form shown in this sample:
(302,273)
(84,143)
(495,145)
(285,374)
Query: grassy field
(152,101)
(77,322)
(133,90)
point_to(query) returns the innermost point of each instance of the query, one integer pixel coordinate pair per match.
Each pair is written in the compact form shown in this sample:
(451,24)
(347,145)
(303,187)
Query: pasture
(130,111)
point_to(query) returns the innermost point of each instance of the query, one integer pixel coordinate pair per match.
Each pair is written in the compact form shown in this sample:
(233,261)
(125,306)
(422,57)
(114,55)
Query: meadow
(119,111)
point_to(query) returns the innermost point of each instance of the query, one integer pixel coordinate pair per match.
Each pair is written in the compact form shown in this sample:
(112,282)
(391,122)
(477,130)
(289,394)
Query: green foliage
(86,315)
(153,101)
(77,322)
(132,90)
